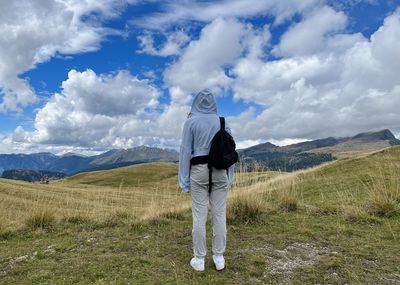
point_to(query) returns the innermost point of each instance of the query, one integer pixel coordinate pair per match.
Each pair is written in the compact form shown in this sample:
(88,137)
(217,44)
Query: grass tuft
(355,214)
(326,209)
(173,215)
(384,193)
(4,232)
(116,219)
(77,219)
(288,200)
(41,220)
(245,209)
(383,207)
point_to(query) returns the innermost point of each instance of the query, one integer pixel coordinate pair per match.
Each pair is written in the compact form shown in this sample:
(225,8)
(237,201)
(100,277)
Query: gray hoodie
(198,131)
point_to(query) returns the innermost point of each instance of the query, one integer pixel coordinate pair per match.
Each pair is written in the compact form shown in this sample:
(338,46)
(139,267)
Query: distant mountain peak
(264,146)
(381,135)
(67,154)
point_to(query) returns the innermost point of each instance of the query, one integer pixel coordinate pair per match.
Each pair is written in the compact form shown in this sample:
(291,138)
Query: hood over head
(204,103)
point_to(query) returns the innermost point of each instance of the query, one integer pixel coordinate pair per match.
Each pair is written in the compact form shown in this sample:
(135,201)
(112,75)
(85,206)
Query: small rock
(21,258)
(49,251)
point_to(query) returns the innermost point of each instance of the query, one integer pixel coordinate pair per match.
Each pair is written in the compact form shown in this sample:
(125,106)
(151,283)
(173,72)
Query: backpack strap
(222,123)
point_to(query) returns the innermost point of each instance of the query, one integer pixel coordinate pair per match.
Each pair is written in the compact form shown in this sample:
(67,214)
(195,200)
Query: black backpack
(223,149)
(222,152)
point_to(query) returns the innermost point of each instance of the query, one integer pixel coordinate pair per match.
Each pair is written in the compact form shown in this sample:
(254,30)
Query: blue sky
(86,77)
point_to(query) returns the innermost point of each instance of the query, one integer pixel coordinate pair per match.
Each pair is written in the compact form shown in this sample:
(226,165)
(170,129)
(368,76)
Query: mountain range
(311,153)
(71,163)
(286,158)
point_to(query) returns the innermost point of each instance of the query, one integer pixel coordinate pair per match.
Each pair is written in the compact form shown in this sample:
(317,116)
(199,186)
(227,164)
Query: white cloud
(179,12)
(202,62)
(34,31)
(110,94)
(92,109)
(172,45)
(247,143)
(333,92)
(325,81)
(309,36)
(95,112)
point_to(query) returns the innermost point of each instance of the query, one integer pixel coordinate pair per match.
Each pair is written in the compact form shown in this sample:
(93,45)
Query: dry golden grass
(41,220)
(354,187)
(140,192)
(21,200)
(245,209)
(383,195)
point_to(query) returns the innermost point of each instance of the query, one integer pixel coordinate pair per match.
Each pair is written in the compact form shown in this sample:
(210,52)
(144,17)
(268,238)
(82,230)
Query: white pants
(200,197)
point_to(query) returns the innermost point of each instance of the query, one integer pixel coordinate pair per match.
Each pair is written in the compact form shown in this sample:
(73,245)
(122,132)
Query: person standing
(198,131)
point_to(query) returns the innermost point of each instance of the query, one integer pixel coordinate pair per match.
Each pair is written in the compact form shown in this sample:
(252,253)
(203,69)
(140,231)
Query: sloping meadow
(333,224)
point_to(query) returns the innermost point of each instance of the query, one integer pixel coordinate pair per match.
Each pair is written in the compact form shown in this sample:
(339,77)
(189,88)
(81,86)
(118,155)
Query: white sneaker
(197,263)
(219,262)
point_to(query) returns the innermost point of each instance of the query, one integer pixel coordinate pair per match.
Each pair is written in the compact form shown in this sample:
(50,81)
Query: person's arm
(231,169)
(231,175)
(184,157)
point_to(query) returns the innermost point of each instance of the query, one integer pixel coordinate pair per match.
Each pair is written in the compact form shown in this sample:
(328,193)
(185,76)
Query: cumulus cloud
(34,31)
(327,93)
(106,110)
(202,62)
(108,94)
(309,35)
(320,80)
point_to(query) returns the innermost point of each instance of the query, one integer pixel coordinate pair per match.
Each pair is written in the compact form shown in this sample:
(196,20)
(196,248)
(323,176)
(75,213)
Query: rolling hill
(333,224)
(142,175)
(135,189)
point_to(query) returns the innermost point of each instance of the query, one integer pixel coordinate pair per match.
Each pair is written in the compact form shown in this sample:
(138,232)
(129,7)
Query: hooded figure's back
(198,132)
(204,103)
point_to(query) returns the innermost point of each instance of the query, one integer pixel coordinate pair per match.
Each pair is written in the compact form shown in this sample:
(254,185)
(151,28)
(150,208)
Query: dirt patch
(13,261)
(293,257)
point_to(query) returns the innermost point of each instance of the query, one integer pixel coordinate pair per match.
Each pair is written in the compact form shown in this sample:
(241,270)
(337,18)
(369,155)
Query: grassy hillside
(335,224)
(352,148)
(136,175)
(134,191)
(138,192)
